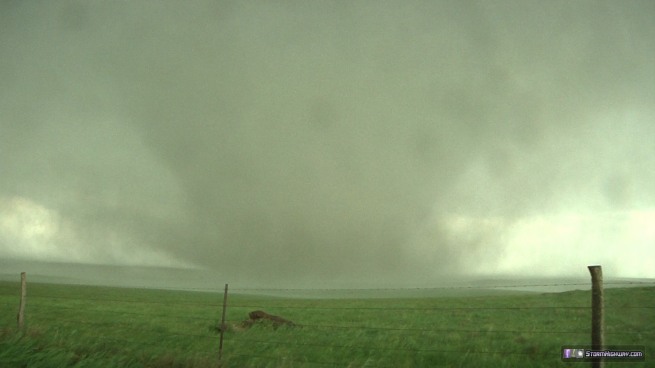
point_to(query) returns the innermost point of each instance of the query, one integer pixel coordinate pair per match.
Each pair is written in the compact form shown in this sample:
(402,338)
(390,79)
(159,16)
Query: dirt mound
(260,315)
(257,317)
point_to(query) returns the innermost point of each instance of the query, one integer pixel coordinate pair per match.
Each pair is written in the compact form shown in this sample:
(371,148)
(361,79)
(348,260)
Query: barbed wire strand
(399,308)
(125,300)
(268,305)
(285,306)
(186,317)
(131,327)
(312,307)
(646,283)
(441,330)
(385,348)
(286,359)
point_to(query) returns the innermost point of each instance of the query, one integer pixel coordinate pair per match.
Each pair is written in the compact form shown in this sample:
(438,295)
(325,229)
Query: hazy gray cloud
(326,141)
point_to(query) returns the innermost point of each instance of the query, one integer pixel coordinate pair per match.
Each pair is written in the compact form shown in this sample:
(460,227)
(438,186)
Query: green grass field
(84,326)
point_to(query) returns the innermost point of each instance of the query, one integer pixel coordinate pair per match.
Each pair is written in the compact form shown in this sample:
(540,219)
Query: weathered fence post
(21,307)
(223,326)
(596,312)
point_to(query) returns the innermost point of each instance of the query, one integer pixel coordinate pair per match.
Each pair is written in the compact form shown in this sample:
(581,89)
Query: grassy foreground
(84,326)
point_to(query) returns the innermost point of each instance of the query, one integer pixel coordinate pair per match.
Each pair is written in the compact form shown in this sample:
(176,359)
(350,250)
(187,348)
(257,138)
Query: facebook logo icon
(571,353)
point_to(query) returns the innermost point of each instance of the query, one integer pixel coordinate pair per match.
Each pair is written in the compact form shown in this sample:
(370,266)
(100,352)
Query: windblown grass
(83,326)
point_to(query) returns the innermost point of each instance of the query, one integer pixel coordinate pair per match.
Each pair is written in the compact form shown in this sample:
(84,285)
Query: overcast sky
(295,142)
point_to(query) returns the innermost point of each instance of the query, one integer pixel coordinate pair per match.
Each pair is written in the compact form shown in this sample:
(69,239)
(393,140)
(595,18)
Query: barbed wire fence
(192,326)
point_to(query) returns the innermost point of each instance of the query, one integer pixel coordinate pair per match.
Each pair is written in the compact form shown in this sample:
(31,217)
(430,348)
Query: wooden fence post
(223,326)
(21,307)
(596,312)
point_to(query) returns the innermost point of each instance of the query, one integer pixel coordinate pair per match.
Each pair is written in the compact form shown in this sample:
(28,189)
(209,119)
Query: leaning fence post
(220,346)
(596,312)
(21,307)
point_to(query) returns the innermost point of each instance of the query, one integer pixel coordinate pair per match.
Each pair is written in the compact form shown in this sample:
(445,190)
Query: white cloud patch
(29,230)
(564,244)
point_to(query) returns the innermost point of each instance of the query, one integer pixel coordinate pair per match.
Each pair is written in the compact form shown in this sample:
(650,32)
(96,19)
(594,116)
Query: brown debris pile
(258,317)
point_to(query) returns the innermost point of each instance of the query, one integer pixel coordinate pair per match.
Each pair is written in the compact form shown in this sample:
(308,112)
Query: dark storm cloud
(278,141)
